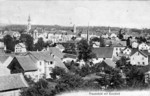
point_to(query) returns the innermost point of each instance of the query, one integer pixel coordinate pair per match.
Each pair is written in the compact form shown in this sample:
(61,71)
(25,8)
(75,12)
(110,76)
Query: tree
(120,36)
(28,39)
(40,44)
(84,51)
(9,42)
(121,63)
(57,71)
(69,82)
(102,42)
(37,89)
(135,77)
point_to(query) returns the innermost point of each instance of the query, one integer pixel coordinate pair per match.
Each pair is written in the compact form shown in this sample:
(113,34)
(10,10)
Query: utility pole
(88,33)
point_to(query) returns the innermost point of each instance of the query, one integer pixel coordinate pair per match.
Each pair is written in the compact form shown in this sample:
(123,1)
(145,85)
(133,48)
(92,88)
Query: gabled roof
(110,63)
(133,50)
(56,52)
(127,48)
(13,81)
(3,58)
(60,46)
(42,55)
(4,70)
(26,63)
(21,45)
(143,52)
(103,52)
(115,58)
(59,63)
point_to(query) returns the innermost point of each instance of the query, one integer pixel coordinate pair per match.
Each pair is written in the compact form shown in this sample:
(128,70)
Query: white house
(113,35)
(143,46)
(135,45)
(60,47)
(118,47)
(127,51)
(20,48)
(140,58)
(44,63)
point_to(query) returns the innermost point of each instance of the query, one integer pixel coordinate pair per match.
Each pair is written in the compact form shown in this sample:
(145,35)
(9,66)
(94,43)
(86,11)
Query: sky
(132,14)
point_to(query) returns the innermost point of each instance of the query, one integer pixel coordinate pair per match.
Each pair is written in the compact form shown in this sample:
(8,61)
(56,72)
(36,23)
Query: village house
(134,44)
(109,63)
(143,46)
(15,34)
(45,62)
(96,44)
(127,51)
(23,64)
(20,48)
(69,58)
(11,85)
(60,47)
(113,36)
(118,47)
(106,64)
(140,57)
(146,71)
(102,53)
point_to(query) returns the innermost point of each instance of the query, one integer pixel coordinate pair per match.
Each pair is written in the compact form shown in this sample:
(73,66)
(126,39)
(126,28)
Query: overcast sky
(99,13)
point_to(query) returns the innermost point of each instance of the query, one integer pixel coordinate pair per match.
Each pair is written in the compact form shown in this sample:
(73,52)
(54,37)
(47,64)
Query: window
(143,63)
(116,48)
(40,70)
(40,63)
(142,58)
(51,62)
(138,63)
(133,58)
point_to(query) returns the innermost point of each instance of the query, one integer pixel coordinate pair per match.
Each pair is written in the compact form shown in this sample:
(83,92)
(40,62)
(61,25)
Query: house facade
(143,46)
(20,48)
(139,58)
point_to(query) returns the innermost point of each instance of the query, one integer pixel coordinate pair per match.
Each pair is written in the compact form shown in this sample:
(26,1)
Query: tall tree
(102,42)
(40,44)
(84,51)
(28,39)
(9,43)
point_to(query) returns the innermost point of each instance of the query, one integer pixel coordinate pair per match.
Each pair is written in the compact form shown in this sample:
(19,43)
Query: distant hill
(57,27)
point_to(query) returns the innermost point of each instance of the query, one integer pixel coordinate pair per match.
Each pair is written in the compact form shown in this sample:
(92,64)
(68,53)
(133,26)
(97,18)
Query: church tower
(29,24)
(74,28)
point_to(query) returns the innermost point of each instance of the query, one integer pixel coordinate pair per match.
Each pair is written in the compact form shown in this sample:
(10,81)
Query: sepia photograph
(74,48)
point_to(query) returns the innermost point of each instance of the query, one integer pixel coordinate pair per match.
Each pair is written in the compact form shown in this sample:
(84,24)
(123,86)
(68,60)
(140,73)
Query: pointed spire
(29,19)
(29,25)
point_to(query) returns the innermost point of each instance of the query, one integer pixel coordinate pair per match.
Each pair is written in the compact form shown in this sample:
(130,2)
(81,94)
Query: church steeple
(29,24)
